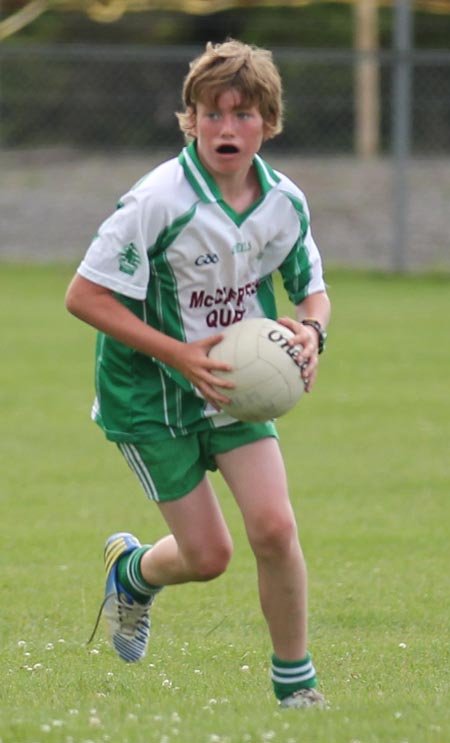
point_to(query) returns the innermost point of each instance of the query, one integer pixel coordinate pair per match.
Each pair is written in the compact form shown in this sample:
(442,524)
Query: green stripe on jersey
(296,269)
(170,233)
(266,297)
(267,176)
(201,181)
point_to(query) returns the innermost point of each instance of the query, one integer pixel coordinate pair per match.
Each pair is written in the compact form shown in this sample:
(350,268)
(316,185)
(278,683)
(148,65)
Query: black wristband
(319,330)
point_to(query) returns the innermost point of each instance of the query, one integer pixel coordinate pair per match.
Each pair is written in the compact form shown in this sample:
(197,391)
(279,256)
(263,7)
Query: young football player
(191,249)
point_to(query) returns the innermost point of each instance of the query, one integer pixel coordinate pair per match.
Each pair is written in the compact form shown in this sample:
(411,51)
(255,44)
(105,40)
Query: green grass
(369,464)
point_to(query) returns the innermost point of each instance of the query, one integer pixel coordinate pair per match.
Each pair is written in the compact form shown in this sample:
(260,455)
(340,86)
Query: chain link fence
(122,99)
(126,97)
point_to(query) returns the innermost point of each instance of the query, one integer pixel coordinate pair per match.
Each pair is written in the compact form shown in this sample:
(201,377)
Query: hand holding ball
(265,372)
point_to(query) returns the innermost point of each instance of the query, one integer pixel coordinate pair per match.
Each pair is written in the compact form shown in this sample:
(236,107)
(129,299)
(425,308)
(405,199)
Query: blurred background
(88,91)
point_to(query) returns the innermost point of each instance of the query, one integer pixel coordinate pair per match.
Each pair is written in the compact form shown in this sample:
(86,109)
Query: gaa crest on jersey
(129,259)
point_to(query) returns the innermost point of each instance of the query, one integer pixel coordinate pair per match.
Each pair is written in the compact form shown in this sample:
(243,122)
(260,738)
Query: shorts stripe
(134,459)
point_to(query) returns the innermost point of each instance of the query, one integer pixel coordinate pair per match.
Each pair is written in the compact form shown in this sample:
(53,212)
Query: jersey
(179,257)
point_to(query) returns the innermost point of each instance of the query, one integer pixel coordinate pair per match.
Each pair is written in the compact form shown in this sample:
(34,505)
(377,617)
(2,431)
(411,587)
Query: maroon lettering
(224,317)
(197,299)
(212,319)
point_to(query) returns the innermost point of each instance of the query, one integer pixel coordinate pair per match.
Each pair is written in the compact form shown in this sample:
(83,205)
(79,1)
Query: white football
(266,375)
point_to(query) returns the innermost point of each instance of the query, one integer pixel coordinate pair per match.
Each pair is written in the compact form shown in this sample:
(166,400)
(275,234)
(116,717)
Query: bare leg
(256,475)
(199,546)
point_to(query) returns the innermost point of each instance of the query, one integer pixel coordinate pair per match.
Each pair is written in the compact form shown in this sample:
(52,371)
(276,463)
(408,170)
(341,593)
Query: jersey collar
(204,184)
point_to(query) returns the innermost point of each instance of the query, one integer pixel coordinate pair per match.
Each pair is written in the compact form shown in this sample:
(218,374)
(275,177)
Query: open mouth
(227,149)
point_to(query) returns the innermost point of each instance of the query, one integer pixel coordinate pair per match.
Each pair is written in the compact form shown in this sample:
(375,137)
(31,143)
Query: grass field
(369,464)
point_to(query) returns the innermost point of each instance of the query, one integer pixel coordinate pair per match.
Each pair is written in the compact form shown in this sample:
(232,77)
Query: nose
(228,125)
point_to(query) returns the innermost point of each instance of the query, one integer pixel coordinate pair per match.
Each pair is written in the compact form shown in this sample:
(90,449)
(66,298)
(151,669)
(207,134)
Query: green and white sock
(290,676)
(130,576)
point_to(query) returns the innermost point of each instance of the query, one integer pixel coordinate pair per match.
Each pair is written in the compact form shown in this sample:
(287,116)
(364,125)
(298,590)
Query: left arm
(314,307)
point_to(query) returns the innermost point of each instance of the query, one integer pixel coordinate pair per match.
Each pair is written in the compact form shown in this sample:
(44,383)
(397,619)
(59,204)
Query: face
(228,134)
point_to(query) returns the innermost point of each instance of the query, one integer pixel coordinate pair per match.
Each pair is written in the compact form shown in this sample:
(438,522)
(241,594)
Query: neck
(240,192)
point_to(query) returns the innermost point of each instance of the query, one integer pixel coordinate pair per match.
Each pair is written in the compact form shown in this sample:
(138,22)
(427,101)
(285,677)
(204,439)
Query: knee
(209,562)
(275,536)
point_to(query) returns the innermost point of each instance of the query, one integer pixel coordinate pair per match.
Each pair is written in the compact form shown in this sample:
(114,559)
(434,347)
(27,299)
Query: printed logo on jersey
(206,259)
(243,247)
(129,259)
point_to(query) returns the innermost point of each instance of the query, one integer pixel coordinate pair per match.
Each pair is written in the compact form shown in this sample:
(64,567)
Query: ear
(267,131)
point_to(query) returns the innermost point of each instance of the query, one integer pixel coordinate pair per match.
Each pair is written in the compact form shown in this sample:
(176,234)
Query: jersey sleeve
(302,270)
(117,256)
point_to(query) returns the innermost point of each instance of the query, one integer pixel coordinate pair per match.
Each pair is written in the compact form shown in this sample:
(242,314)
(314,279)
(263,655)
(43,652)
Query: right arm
(97,306)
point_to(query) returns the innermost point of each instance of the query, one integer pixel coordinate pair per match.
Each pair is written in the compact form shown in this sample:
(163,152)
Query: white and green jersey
(186,263)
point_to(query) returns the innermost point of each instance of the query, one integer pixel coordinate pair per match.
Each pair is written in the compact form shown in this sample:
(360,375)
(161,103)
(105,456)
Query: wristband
(319,330)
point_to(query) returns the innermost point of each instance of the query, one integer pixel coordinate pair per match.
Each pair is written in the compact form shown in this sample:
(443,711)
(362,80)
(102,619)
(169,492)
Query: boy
(191,249)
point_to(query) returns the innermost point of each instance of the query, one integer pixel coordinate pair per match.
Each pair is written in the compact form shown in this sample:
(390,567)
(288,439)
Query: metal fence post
(401,129)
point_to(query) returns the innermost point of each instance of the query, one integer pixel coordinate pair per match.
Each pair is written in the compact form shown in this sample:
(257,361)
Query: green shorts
(171,468)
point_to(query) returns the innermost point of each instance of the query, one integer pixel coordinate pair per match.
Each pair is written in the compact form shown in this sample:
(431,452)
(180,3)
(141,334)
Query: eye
(213,115)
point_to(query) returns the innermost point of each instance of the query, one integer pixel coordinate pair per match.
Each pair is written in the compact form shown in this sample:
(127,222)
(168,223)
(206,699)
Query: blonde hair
(233,64)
